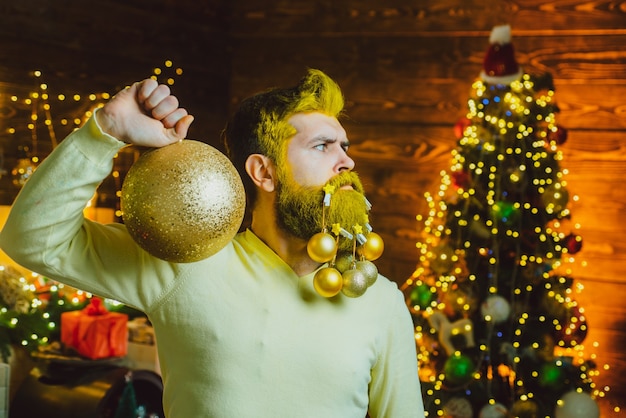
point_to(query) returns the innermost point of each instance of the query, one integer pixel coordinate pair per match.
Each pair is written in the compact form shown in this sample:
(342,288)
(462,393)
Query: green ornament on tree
(458,369)
(552,376)
(505,212)
(421,296)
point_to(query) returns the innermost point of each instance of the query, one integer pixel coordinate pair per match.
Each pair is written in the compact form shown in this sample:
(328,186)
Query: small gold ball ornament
(354,283)
(327,282)
(321,247)
(369,270)
(344,261)
(183,202)
(373,248)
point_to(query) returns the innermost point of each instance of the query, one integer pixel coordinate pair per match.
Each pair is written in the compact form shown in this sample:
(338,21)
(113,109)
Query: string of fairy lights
(31,303)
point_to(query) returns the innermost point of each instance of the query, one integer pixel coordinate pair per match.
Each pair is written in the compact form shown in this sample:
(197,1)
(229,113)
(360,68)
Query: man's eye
(320,147)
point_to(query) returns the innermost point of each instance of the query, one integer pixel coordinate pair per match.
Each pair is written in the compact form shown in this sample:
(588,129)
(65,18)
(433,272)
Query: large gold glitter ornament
(183,202)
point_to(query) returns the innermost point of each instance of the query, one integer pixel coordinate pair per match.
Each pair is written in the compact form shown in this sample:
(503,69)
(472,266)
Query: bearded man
(242,333)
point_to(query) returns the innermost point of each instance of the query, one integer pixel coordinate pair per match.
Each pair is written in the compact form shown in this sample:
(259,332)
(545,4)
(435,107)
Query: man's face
(316,156)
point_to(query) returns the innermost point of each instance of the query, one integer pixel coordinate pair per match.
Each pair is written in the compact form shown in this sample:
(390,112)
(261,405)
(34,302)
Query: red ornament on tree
(573,243)
(558,136)
(460,179)
(459,127)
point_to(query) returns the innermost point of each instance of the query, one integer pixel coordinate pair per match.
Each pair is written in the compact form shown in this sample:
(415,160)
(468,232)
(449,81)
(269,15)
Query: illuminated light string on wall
(30,304)
(43,105)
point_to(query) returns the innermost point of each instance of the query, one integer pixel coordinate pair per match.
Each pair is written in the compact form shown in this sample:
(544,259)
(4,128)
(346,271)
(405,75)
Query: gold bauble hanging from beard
(322,247)
(373,248)
(345,273)
(328,282)
(183,202)
(354,283)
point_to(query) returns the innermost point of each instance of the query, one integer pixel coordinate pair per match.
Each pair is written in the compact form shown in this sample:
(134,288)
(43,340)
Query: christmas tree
(31,307)
(498,328)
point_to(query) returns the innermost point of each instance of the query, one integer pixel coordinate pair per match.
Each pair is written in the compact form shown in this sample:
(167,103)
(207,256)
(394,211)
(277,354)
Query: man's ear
(262,171)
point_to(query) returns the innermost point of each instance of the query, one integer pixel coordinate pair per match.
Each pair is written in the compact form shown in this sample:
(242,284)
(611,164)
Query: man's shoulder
(385,291)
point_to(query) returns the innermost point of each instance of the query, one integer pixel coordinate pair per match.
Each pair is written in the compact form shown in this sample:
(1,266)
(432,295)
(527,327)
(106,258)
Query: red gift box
(94,332)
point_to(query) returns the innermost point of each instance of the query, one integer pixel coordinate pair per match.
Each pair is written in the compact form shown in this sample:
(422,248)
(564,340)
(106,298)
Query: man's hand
(145,114)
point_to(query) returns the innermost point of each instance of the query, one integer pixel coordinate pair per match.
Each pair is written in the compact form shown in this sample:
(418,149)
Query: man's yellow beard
(301,209)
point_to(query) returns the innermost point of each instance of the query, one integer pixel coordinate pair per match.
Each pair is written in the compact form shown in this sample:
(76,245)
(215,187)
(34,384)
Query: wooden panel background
(406,67)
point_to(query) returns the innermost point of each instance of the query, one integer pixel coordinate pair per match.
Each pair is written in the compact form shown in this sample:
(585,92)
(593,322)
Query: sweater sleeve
(395,387)
(46,231)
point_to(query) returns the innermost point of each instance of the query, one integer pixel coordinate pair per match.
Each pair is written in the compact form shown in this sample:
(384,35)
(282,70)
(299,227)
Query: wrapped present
(94,332)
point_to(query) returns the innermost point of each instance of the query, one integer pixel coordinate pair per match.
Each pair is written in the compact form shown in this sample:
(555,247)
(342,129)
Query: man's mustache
(347,178)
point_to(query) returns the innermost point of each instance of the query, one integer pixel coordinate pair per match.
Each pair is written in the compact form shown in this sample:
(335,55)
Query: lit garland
(493,301)
(43,105)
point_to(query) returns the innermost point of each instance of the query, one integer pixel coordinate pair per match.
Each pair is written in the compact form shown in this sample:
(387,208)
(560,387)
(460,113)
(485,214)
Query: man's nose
(345,163)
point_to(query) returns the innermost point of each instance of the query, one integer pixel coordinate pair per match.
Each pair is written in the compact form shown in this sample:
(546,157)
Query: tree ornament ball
(505,212)
(322,247)
(573,243)
(458,369)
(497,308)
(576,405)
(460,125)
(344,261)
(496,410)
(354,283)
(524,409)
(457,407)
(369,269)
(373,247)
(558,135)
(421,296)
(328,282)
(183,202)
(552,375)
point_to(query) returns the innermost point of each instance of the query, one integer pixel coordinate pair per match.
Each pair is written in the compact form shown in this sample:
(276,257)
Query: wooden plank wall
(406,68)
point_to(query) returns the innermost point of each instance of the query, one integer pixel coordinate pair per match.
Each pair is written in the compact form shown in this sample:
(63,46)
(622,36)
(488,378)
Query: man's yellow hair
(260,125)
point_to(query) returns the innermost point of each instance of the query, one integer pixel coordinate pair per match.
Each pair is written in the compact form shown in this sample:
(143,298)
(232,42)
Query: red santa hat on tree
(499,65)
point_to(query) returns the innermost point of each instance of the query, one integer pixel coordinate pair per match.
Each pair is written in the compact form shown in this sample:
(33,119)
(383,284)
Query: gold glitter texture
(183,202)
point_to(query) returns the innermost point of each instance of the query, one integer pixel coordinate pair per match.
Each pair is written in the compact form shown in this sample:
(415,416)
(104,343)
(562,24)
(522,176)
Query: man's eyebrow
(330,140)
(323,138)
